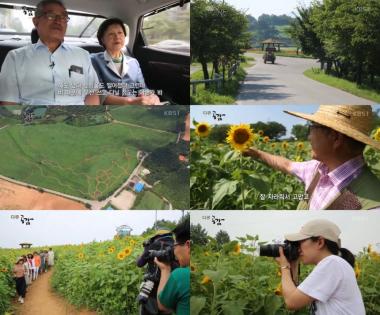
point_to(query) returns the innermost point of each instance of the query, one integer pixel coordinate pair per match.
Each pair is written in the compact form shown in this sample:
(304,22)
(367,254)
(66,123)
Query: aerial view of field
(89,155)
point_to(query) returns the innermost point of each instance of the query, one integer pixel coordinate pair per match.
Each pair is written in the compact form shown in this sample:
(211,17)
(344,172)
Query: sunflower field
(100,276)
(232,280)
(223,178)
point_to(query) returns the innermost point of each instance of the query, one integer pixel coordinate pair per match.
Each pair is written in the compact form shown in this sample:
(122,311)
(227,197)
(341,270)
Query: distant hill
(270,26)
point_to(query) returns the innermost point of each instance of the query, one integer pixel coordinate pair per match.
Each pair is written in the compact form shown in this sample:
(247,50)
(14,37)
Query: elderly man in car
(49,72)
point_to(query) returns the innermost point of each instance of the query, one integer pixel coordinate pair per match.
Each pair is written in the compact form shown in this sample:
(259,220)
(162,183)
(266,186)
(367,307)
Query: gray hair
(41,6)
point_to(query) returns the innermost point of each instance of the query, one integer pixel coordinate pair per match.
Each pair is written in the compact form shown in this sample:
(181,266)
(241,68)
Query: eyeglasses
(53,17)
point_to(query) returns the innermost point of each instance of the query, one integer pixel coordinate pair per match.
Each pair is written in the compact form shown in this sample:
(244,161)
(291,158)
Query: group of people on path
(28,267)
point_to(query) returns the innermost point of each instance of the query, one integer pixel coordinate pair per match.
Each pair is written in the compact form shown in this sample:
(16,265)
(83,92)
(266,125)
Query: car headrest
(34,36)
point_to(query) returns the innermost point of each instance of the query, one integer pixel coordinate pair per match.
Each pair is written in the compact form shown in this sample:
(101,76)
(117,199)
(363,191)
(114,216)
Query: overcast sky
(258,7)
(236,114)
(359,228)
(74,227)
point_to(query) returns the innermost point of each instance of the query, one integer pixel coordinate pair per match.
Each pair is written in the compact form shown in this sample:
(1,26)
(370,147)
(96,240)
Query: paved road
(284,83)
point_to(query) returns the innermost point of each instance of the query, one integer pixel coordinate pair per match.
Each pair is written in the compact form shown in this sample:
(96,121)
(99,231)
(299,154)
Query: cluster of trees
(219,34)
(343,35)
(270,26)
(272,129)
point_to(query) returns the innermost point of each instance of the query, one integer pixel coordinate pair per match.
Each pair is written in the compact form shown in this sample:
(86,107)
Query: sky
(74,227)
(258,7)
(250,114)
(359,228)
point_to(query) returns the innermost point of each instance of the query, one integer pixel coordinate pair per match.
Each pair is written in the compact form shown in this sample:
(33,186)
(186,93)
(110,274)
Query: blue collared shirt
(32,75)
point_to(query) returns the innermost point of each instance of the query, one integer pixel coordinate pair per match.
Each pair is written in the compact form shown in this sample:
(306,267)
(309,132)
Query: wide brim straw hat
(354,121)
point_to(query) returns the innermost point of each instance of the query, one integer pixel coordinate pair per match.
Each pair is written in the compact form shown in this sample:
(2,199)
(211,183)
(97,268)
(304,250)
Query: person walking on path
(19,276)
(37,264)
(50,257)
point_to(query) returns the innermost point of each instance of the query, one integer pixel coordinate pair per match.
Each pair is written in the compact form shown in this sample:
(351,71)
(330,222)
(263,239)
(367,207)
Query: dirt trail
(41,300)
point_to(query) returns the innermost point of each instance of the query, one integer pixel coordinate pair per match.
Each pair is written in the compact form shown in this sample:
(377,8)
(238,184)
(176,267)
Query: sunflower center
(202,128)
(241,136)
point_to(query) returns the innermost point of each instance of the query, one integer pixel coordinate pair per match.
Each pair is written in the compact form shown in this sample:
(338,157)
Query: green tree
(300,132)
(161,225)
(219,34)
(198,234)
(272,129)
(222,238)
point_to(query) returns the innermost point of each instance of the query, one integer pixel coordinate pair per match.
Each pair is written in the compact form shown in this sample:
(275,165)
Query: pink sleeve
(304,170)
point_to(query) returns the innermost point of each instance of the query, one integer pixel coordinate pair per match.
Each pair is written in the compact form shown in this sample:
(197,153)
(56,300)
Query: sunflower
(80,255)
(192,268)
(237,248)
(203,129)
(121,256)
(111,249)
(240,136)
(285,145)
(300,146)
(206,280)
(4,270)
(377,134)
(374,256)
(207,254)
(273,145)
(127,251)
(132,242)
(261,133)
(266,139)
(299,158)
(357,270)
(278,290)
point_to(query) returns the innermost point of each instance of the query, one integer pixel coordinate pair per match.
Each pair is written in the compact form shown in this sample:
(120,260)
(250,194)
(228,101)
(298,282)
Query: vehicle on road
(269,55)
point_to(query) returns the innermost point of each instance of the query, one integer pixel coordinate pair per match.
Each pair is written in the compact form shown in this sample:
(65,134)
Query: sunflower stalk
(242,182)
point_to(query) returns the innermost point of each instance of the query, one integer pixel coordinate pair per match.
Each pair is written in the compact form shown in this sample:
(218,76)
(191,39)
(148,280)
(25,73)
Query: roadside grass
(343,84)
(149,200)
(88,162)
(229,89)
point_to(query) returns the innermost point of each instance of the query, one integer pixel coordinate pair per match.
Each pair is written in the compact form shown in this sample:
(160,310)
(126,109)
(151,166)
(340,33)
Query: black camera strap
(313,308)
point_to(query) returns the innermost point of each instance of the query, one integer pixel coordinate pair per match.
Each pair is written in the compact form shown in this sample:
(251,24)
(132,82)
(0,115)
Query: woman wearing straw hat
(331,288)
(336,177)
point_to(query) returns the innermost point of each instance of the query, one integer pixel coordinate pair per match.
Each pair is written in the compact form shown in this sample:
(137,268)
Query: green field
(166,118)
(88,162)
(351,87)
(149,200)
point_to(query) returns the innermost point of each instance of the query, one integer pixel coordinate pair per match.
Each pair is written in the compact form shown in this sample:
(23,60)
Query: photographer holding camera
(331,288)
(174,287)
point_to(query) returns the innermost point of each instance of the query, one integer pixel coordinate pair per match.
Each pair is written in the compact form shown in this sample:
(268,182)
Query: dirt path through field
(41,300)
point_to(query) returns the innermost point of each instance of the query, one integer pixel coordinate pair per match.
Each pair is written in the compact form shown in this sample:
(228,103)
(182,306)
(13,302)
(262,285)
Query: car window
(169,29)
(18,20)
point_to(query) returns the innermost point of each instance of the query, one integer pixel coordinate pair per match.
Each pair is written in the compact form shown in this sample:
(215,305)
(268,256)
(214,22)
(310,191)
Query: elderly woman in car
(120,74)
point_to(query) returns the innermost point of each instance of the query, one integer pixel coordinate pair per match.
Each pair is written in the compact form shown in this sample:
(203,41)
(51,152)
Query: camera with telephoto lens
(164,255)
(162,247)
(291,250)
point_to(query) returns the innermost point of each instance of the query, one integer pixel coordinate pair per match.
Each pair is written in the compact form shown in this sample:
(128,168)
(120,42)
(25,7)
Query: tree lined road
(284,83)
